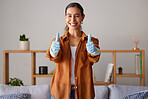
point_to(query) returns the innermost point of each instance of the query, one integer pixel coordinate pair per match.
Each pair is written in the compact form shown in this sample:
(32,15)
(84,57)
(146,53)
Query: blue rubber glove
(55,46)
(90,46)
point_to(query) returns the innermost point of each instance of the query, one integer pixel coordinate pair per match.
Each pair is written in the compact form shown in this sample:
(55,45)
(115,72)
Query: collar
(66,35)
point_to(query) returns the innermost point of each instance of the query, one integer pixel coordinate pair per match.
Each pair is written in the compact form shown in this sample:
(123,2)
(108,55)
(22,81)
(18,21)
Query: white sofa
(101,92)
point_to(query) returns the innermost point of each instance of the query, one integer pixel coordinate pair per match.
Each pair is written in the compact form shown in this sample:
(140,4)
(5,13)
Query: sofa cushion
(120,91)
(36,91)
(138,95)
(16,96)
(101,92)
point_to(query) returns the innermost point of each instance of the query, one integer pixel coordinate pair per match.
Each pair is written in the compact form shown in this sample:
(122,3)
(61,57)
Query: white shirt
(73,51)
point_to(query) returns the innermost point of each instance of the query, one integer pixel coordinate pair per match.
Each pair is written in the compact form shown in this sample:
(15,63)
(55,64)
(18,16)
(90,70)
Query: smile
(73,24)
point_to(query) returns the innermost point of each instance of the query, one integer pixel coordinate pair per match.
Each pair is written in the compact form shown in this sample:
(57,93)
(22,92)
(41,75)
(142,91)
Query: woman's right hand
(55,46)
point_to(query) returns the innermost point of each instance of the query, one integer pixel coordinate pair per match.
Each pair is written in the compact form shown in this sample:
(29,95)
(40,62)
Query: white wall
(112,21)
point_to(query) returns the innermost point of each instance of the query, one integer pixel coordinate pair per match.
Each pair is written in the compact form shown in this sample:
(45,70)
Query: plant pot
(24,45)
(120,71)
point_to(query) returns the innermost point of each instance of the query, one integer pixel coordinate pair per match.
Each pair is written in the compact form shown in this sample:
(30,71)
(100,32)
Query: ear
(83,17)
(65,16)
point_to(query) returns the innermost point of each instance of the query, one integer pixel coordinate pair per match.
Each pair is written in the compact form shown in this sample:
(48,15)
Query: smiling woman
(74,54)
(74,15)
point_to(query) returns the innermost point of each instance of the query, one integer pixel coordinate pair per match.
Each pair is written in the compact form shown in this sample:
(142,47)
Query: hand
(55,46)
(90,46)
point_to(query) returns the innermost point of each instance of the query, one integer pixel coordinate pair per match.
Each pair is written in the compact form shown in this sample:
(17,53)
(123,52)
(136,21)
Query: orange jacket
(61,81)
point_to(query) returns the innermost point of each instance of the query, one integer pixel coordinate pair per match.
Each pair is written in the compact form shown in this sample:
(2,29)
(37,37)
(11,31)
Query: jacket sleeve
(54,59)
(94,59)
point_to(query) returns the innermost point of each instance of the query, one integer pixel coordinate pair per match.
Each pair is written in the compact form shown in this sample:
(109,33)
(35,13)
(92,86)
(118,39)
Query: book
(138,60)
(94,77)
(109,73)
(137,63)
(140,64)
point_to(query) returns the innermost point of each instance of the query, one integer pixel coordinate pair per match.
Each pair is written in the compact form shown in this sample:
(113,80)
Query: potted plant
(120,70)
(15,82)
(24,43)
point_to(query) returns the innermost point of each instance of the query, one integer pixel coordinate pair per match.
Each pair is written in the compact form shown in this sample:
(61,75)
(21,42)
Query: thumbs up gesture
(90,46)
(55,46)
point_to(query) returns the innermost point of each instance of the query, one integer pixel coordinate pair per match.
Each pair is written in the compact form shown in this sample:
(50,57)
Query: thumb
(57,37)
(89,38)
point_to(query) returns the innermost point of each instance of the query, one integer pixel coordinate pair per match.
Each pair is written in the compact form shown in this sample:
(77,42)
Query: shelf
(33,65)
(44,51)
(128,75)
(25,51)
(107,51)
(42,75)
(128,51)
(102,83)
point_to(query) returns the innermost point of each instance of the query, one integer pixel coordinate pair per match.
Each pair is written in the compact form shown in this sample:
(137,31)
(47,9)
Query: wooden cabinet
(116,75)
(33,66)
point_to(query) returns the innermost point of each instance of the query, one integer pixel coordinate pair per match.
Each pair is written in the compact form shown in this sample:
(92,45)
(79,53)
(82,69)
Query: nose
(73,18)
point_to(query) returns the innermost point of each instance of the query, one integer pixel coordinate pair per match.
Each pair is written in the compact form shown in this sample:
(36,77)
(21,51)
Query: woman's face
(74,18)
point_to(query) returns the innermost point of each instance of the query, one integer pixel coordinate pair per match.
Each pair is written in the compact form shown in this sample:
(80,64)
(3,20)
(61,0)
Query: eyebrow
(74,14)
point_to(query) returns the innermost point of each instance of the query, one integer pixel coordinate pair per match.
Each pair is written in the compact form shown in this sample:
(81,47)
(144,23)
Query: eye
(77,16)
(68,15)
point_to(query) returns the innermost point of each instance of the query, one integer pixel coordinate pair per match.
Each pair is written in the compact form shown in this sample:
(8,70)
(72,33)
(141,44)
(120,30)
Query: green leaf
(15,82)
(23,38)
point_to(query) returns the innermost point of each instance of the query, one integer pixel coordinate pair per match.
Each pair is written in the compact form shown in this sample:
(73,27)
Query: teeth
(73,24)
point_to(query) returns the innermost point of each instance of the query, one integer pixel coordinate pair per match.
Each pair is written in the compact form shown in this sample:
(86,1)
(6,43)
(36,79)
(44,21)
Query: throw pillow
(138,95)
(16,96)
(36,91)
(120,91)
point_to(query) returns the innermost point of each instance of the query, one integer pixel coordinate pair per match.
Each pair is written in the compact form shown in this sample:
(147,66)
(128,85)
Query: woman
(74,54)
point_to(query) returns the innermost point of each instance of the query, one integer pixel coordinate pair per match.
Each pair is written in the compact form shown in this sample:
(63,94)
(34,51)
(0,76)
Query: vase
(24,45)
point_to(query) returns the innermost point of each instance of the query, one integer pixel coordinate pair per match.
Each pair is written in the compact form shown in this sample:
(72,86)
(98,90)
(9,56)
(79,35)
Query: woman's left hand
(90,46)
